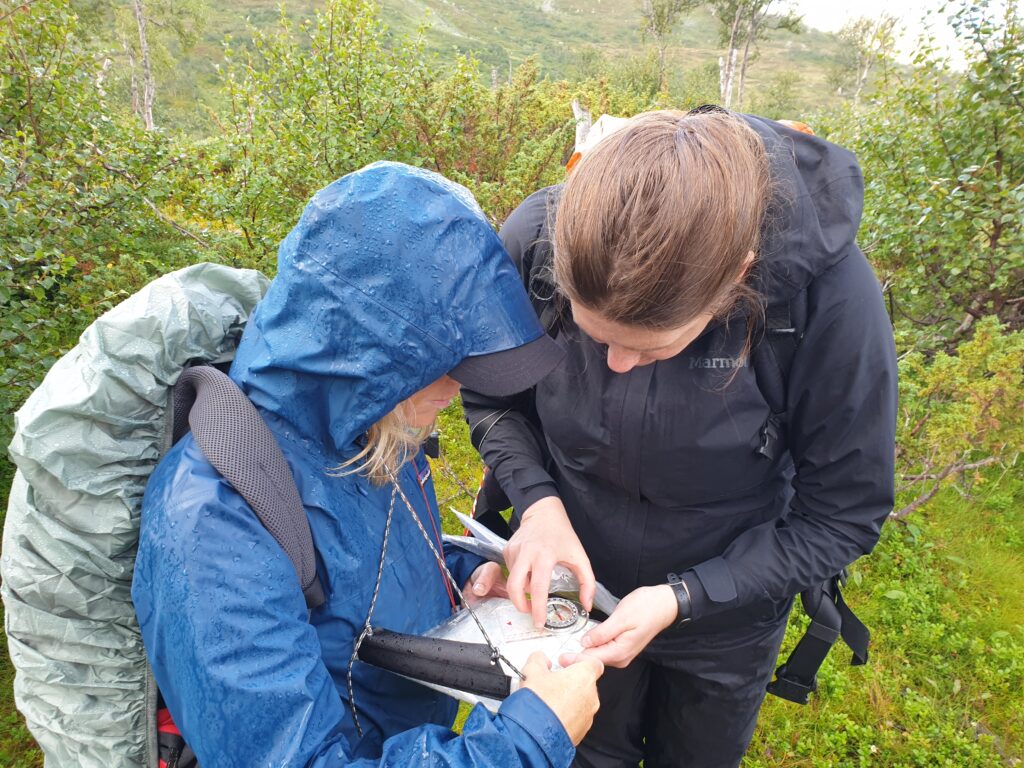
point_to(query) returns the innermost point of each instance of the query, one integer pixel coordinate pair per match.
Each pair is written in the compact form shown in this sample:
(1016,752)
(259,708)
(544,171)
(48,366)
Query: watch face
(563,614)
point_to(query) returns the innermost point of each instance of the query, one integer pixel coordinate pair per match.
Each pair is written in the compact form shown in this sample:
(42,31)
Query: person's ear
(745,267)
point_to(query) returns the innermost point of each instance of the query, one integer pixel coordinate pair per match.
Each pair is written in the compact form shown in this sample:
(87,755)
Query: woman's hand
(641,615)
(487,581)
(545,537)
(570,692)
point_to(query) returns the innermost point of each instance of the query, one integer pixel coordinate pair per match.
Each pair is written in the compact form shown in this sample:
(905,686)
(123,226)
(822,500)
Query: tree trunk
(758,12)
(862,78)
(730,78)
(583,122)
(730,59)
(751,32)
(133,82)
(101,77)
(662,45)
(148,83)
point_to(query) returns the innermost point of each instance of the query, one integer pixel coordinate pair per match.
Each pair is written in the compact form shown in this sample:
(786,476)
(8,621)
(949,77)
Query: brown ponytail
(655,222)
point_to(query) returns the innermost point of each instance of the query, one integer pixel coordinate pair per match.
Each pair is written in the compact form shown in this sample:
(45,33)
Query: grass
(942,596)
(17,748)
(943,686)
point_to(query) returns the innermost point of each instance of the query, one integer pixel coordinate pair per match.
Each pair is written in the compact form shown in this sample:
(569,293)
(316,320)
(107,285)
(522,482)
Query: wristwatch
(682,593)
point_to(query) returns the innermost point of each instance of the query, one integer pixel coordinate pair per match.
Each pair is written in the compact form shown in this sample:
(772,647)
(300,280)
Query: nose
(622,360)
(451,386)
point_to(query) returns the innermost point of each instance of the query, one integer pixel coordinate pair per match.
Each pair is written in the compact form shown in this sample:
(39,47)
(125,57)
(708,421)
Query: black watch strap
(682,593)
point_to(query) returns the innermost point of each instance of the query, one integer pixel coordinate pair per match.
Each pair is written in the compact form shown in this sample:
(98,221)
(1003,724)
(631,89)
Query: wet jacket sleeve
(240,667)
(504,430)
(842,422)
(461,563)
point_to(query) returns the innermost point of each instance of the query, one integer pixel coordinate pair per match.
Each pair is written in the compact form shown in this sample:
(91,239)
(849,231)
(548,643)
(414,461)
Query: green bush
(959,413)
(81,187)
(943,160)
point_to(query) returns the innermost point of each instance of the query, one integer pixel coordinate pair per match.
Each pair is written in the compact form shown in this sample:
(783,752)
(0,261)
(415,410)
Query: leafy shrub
(943,160)
(80,187)
(959,413)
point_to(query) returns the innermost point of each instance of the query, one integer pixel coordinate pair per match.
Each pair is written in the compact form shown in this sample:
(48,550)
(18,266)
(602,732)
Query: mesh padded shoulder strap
(236,441)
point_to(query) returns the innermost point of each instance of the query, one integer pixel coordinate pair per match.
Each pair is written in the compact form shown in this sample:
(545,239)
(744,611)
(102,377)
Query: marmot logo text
(718,362)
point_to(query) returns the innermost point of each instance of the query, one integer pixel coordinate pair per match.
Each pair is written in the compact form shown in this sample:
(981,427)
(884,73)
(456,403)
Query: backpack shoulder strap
(831,618)
(544,295)
(772,358)
(538,270)
(237,442)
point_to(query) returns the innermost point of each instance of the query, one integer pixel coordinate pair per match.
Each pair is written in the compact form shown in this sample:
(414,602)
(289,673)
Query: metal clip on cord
(496,653)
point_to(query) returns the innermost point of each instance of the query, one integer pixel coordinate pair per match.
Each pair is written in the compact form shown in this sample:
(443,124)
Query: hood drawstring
(496,654)
(421,478)
(367,629)
(450,583)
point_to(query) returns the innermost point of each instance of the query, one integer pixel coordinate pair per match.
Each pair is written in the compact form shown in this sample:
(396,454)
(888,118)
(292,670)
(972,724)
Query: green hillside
(569,39)
(498,32)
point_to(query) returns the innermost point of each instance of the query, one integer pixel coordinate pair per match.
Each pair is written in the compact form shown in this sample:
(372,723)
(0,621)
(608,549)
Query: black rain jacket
(658,468)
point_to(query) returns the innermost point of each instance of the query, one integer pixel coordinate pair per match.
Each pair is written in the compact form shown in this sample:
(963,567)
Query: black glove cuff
(682,593)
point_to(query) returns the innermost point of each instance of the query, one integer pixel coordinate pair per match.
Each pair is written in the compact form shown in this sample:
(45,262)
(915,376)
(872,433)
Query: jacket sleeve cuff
(698,595)
(524,711)
(523,500)
(461,563)
(712,587)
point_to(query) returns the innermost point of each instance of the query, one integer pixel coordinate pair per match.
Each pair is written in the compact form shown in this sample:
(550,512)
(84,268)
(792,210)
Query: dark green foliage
(778,100)
(81,186)
(307,103)
(699,86)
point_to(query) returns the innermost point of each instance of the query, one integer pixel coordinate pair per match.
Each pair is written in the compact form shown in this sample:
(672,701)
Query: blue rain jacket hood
(391,277)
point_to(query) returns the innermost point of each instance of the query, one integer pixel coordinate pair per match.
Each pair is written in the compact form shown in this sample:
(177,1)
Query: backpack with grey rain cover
(85,443)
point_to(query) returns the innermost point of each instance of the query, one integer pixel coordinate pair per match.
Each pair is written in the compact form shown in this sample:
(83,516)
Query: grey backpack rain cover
(85,444)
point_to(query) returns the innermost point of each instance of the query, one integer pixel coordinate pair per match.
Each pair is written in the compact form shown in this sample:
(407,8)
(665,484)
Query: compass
(563,614)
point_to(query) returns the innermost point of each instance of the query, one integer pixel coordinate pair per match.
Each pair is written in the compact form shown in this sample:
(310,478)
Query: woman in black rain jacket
(651,458)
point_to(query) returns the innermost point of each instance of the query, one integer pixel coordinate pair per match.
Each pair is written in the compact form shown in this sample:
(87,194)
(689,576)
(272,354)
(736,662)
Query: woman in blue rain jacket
(391,279)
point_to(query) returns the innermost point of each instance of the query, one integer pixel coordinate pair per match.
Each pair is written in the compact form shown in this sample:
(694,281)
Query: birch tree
(659,19)
(145,109)
(742,24)
(868,41)
(145,28)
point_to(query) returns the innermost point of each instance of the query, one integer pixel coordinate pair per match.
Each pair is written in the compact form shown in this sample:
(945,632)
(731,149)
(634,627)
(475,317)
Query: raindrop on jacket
(391,277)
